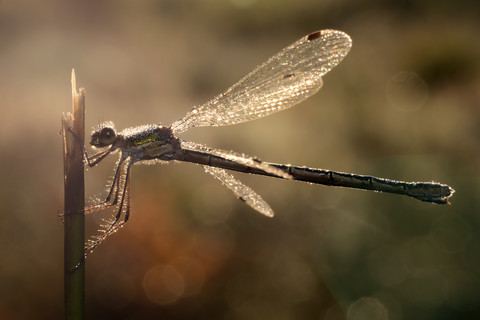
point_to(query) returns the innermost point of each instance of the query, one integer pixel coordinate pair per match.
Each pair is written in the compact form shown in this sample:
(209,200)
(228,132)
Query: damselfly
(289,77)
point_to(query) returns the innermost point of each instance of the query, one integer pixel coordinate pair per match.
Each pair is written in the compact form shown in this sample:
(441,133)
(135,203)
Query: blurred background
(404,104)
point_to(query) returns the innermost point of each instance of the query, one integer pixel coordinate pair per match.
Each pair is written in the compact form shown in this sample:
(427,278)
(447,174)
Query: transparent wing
(240,190)
(287,78)
(236,157)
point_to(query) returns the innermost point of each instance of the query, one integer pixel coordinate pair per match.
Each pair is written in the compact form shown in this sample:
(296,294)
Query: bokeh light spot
(367,309)
(163,284)
(406,91)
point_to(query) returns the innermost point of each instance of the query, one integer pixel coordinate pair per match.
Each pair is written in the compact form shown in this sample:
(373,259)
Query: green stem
(73,128)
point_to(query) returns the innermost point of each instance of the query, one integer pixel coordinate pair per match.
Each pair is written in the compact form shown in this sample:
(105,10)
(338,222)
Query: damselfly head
(104,135)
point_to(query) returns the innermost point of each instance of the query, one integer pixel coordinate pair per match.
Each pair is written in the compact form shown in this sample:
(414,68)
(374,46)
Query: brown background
(191,250)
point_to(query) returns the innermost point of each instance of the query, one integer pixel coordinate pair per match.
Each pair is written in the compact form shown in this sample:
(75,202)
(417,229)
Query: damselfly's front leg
(113,191)
(96,158)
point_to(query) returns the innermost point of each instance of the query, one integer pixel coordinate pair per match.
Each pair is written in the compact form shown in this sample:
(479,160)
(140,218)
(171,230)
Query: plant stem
(73,129)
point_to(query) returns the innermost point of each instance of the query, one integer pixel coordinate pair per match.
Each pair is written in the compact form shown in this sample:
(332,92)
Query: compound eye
(107,136)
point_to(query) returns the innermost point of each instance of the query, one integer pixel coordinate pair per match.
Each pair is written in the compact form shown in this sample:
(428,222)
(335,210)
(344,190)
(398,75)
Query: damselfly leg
(121,195)
(113,191)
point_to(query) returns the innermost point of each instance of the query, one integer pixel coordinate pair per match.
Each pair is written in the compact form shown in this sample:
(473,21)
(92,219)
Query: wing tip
(331,34)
